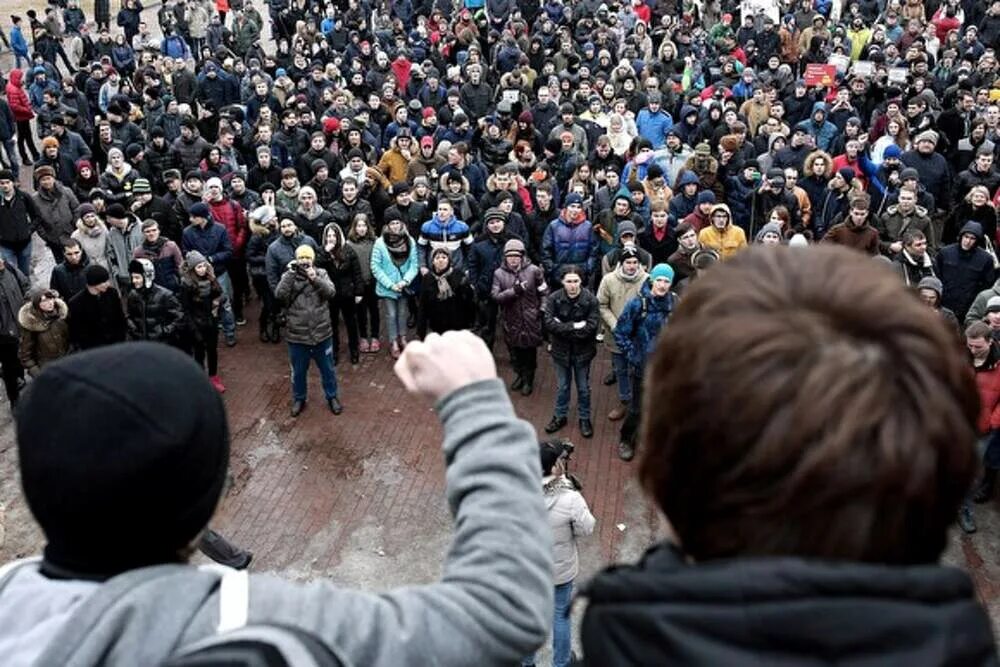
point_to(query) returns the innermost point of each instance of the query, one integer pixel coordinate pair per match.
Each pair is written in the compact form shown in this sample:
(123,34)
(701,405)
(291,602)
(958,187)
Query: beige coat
(612,295)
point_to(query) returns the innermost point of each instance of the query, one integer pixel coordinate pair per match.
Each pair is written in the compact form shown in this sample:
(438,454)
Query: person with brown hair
(854,228)
(797,534)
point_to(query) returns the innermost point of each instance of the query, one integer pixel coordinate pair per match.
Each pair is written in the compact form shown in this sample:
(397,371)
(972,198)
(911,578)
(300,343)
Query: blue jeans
(19,258)
(619,363)
(395,313)
(299,355)
(10,151)
(562,628)
(579,372)
(226,311)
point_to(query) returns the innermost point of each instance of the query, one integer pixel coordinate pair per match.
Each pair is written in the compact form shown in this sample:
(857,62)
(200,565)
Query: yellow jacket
(727,242)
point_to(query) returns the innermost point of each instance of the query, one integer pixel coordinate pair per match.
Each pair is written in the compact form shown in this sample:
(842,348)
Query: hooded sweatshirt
(728,241)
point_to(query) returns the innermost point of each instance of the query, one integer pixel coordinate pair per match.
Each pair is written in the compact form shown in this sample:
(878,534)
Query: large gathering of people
(564,177)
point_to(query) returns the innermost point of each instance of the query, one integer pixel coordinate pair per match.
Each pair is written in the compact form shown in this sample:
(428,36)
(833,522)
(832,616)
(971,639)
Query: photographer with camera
(569,518)
(306,291)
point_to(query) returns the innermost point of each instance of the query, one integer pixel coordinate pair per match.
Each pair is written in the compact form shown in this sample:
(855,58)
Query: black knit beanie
(123,453)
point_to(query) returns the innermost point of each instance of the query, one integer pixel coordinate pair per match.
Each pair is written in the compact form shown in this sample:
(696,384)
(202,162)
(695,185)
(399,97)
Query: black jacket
(783,611)
(452,314)
(69,280)
(345,274)
(964,274)
(154,314)
(18,219)
(570,344)
(96,320)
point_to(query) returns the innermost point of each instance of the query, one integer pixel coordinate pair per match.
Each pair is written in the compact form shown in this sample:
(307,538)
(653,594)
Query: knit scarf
(398,246)
(444,287)
(628,278)
(156,247)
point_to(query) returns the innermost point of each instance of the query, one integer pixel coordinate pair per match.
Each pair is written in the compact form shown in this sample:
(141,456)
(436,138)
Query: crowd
(555,175)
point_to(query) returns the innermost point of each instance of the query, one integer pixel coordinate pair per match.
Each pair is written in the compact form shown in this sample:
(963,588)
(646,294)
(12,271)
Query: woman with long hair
(342,265)
(361,238)
(394,267)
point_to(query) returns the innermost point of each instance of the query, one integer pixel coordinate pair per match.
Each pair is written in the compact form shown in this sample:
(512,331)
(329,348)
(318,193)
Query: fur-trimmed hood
(30,317)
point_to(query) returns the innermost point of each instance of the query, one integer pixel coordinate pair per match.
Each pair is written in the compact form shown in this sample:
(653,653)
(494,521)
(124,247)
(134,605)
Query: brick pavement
(303,488)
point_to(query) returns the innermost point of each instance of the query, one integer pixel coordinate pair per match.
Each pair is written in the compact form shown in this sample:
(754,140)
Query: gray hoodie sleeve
(493,603)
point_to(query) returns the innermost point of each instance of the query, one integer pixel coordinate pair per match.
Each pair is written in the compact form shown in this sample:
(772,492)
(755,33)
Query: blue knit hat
(661,271)
(892,151)
(574,198)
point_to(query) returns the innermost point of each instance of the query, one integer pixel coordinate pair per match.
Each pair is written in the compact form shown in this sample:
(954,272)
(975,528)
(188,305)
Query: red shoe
(363,346)
(375,346)
(217,383)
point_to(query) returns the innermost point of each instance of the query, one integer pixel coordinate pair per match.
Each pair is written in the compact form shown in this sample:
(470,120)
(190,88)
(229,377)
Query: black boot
(529,383)
(275,332)
(518,381)
(265,333)
(555,424)
(986,487)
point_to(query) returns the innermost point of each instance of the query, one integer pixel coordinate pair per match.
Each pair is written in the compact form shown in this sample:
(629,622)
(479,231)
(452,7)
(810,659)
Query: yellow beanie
(305,252)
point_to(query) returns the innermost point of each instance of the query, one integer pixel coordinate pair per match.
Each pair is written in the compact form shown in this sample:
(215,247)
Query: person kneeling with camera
(306,291)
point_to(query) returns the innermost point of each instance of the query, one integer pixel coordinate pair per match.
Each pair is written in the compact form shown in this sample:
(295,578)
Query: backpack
(235,644)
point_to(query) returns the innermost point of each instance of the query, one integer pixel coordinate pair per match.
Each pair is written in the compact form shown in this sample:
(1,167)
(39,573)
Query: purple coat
(521,308)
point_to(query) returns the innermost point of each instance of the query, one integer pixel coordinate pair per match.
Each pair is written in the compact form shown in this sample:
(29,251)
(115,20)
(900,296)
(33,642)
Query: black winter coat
(485,258)
(570,344)
(69,280)
(96,320)
(345,273)
(755,611)
(964,275)
(154,314)
(453,314)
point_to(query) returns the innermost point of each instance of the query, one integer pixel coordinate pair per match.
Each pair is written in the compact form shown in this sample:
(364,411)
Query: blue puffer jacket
(212,241)
(453,236)
(636,331)
(567,243)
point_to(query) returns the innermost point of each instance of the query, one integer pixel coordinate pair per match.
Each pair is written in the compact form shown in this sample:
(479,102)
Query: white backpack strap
(234,596)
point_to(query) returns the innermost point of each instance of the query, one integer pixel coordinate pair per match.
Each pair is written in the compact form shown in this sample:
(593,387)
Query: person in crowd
(212,240)
(914,262)
(570,520)
(984,353)
(636,331)
(13,289)
(58,208)
(44,335)
(263,222)
(722,235)
(20,218)
(855,230)
(519,288)
(305,291)
(201,298)
(96,317)
(394,266)
(343,267)
(446,301)
(153,312)
(617,288)
(775,302)
(568,242)
(571,317)
(965,270)
(91,234)
(361,239)
(69,276)
(162,252)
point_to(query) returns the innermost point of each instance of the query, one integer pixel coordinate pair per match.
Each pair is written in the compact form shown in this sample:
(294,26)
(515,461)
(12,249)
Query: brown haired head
(801,402)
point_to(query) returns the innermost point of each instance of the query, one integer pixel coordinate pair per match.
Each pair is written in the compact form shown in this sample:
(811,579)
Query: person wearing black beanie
(130,472)
(123,454)
(95,312)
